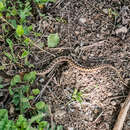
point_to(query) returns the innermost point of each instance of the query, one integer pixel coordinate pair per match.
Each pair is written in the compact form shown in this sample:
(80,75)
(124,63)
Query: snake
(70,61)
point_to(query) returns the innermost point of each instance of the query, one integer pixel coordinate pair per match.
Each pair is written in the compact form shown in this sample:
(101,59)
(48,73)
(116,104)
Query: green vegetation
(16,27)
(23,124)
(53,40)
(77,96)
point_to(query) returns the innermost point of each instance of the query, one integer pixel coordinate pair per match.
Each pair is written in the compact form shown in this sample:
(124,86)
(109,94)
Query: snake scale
(70,61)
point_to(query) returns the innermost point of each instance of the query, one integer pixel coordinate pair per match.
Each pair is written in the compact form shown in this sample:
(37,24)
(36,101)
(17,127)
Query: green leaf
(13,22)
(10,44)
(53,40)
(35,118)
(25,103)
(24,100)
(26,41)
(1,15)
(14,12)
(36,91)
(40,105)
(9,124)
(23,13)
(8,15)
(25,89)
(12,57)
(8,55)
(3,114)
(1,79)
(1,6)
(2,67)
(10,91)
(1,86)
(16,99)
(41,1)
(16,79)
(43,125)
(77,96)
(31,97)
(30,77)
(22,122)
(19,30)
(25,54)
(52,0)
(59,127)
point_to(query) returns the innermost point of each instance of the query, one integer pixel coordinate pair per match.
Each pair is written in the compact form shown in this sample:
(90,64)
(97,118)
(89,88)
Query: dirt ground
(92,32)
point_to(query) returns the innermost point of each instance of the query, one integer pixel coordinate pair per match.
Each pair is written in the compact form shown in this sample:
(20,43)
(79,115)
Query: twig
(122,115)
(43,89)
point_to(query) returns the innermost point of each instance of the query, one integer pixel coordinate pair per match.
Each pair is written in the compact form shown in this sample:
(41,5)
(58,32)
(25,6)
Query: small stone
(82,20)
(128,122)
(121,30)
(70,128)
(105,11)
(82,44)
(113,103)
(77,32)
(110,94)
(41,80)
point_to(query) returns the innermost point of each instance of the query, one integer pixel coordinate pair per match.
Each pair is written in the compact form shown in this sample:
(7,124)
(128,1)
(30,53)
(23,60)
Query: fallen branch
(122,115)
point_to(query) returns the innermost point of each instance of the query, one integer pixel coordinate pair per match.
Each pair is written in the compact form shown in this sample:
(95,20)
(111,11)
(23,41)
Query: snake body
(70,61)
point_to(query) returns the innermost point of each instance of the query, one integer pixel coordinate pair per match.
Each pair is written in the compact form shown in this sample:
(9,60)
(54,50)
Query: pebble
(82,20)
(121,30)
(70,128)
(105,11)
(113,103)
(128,123)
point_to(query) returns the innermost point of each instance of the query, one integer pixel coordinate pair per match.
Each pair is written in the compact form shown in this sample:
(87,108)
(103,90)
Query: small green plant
(112,13)
(77,96)
(41,106)
(30,77)
(19,30)
(12,55)
(24,54)
(21,123)
(25,124)
(61,20)
(53,40)
(35,91)
(44,1)
(19,99)
(16,79)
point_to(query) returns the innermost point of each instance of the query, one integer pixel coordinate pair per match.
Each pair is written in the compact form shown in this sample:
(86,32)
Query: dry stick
(122,115)
(68,28)
(26,37)
(56,4)
(43,89)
